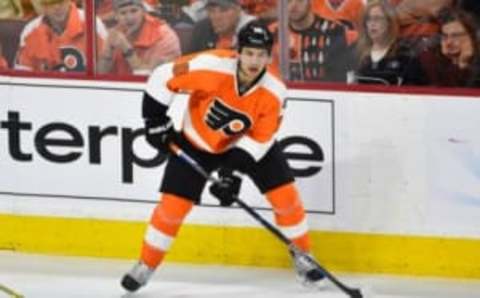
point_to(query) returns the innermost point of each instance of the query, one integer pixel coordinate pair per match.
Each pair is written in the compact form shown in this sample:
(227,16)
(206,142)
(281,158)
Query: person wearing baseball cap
(56,39)
(138,42)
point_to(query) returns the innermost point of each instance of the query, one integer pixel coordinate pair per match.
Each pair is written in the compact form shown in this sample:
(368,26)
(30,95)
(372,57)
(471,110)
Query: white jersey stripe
(295,231)
(157,239)
(210,62)
(274,85)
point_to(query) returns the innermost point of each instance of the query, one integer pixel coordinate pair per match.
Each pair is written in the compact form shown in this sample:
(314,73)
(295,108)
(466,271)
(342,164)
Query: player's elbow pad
(151,108)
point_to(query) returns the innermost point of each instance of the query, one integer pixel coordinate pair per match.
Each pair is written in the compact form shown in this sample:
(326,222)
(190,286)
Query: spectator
(418,21)
(348,12)
(56,40)
(265,10)
(381,59)
(455,63)
(218,30)
(11,9)
(138,43)
(319,48)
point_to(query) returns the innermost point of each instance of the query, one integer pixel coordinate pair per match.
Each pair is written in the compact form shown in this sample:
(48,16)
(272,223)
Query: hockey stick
(10,292)
(351,292)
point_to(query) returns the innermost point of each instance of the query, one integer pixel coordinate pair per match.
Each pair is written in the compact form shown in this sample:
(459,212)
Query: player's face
(224,19)
(377,24)
(130,18)
(56,11)
(253,61)
(298,10)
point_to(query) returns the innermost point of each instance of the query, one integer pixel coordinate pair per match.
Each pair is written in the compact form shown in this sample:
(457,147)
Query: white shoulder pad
(157,84)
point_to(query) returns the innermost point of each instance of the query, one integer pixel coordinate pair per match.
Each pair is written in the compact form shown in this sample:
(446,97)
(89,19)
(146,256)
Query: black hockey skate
(137,277)
(307,272)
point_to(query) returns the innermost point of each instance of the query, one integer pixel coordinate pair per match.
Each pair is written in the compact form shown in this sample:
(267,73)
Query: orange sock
(290,215)
(163,228)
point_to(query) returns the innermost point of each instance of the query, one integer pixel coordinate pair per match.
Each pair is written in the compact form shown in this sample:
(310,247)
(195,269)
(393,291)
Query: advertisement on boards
(88,143)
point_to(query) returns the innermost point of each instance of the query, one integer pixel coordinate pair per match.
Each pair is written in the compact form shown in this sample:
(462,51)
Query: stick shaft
(352,292)
(9,291)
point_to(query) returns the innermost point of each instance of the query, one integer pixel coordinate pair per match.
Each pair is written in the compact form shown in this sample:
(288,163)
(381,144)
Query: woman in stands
(380,57)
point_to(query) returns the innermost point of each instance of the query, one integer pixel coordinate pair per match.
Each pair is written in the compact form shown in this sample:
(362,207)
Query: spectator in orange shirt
(138,43)
(56,40)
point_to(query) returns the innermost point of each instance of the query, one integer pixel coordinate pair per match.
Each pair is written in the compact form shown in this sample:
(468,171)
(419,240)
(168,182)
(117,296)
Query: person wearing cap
(219,29)
(138,43)
(56,39)
(235,109)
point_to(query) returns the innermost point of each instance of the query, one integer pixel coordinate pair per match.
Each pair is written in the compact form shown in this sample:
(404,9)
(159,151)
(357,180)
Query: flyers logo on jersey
(222,117)
(72,60)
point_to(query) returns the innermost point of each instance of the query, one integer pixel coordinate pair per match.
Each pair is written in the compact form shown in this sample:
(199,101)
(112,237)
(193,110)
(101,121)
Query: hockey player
(234,112)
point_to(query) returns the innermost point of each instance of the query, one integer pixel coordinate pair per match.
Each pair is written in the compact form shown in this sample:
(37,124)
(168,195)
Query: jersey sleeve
(193,72)
(185,75)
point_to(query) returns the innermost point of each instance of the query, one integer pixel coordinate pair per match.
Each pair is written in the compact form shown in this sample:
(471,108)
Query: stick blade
(356,293)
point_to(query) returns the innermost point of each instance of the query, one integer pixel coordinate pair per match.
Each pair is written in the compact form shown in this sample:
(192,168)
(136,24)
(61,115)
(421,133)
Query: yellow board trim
(338,251)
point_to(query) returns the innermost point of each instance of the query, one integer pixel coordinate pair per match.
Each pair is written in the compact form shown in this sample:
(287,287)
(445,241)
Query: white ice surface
(68,277)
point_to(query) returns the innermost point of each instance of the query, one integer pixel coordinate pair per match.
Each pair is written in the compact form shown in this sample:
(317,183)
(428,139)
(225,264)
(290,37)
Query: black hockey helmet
(256,35)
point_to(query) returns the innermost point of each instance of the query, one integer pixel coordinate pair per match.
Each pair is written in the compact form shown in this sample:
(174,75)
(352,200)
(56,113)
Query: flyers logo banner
(222,117)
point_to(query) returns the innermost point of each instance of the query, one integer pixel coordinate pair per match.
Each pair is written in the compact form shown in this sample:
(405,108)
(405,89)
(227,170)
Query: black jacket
(398,67)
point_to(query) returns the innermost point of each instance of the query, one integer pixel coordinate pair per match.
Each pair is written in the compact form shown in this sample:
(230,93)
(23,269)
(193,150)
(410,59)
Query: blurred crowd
(388,42)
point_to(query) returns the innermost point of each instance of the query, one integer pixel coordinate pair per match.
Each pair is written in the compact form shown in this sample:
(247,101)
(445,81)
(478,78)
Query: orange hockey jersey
(218,117)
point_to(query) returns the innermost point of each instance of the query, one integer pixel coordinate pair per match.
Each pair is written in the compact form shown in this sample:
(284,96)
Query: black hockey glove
(228,189)
(160,132)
